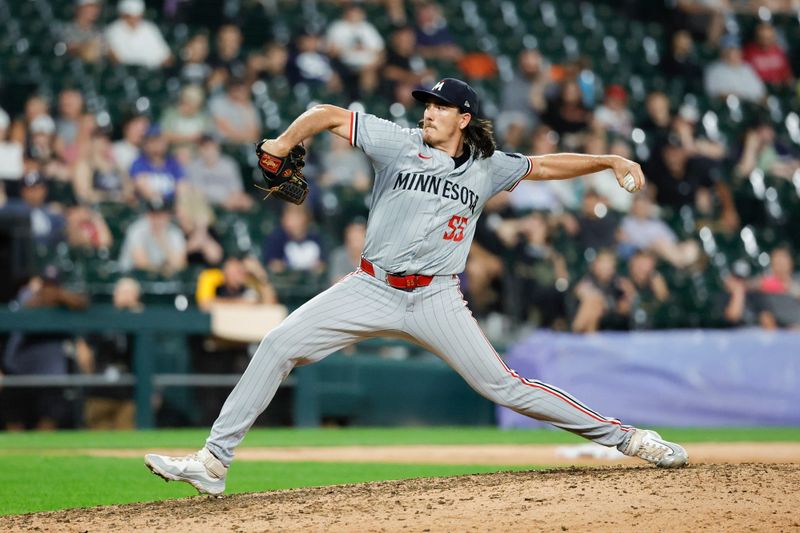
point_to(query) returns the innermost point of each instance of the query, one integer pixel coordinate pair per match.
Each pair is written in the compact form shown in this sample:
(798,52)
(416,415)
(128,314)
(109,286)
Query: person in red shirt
(778,292)
(781,279)
(767,57)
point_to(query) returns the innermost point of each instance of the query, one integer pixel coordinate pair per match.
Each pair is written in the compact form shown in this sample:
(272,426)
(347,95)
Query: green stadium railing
(142,326)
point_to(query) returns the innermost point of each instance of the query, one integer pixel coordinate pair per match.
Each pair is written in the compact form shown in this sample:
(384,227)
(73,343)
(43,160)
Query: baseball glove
(282,175)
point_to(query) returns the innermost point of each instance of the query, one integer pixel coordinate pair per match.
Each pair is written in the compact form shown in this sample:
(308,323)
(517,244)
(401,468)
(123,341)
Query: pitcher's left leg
(442,323)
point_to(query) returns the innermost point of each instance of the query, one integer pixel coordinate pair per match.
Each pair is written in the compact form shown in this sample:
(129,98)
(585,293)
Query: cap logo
(466,103)
(438,86)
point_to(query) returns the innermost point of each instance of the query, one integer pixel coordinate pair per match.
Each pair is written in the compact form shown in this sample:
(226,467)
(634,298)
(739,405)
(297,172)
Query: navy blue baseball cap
(452,92)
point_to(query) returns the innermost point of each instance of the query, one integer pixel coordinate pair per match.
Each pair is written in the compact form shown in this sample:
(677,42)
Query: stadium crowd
(125,192)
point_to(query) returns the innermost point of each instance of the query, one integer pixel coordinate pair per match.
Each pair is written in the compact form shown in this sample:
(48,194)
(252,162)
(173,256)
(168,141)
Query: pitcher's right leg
(356,307)
(336,318)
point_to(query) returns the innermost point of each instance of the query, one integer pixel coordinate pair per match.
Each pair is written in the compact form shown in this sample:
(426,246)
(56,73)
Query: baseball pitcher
(431,184)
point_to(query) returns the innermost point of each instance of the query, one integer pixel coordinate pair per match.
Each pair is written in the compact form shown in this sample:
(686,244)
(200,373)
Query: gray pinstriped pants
(435,317)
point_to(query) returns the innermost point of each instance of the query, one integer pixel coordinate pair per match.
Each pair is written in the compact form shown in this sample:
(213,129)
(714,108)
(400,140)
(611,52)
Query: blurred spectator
(83,37)
(310,65)
(544,195)
(526,91)
(10,151)
(396,11)
(294,246)
(613,115)
(736,310)
(675,180)
(763,151)
(513,131)
(643,230)
(40,153)
(682,62)
(656,124)
(87,229)
(193,67)
(541,274)
(604,182)
(135,41)
(580,71)
(112,357)
(522,100)
(184,123)
(269,65)
(603,297)
(730,75)
(42,353)
(767,58)
(226,61)
(128,149)
(706,156)
(240,280)
(196,219)
(47,223)
(355,43)
(156,175)
(434,40)
(73,127)
(680,181)
(234,114)
(705,19)
(35,106)
(97,178)
(153,243)
(127,295)
(778,300)
(70,110)
(347,257)
(567,114)
(342,165)
(40,149)
(217,175)
(595,227)
(496,236)
(651,289)
(707,152)
(404,68)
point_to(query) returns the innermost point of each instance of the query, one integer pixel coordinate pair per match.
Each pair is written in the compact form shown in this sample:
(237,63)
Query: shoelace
(653,451)
(185,458)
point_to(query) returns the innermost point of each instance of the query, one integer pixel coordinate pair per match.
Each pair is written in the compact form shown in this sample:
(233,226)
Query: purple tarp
(669,378)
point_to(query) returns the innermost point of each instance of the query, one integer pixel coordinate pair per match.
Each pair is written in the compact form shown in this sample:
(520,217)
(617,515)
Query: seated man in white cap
(135,41)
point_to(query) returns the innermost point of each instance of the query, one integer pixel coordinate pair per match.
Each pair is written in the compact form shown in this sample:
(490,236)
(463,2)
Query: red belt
(398,282)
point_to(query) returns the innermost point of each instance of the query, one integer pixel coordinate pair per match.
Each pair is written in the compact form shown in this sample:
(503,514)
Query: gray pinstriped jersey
(424,210)
(422,222)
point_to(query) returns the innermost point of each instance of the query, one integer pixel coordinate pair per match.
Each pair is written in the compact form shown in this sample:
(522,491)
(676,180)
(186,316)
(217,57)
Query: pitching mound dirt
(745,497)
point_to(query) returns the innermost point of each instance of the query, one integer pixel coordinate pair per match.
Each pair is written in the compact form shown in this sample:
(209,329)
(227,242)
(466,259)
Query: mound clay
(744,497)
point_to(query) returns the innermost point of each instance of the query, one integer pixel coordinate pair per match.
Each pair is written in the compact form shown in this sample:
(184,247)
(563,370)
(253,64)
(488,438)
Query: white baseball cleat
(648,445)
(201,470)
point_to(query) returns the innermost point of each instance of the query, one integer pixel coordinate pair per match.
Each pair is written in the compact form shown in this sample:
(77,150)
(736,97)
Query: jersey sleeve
(381,140)
(507,170)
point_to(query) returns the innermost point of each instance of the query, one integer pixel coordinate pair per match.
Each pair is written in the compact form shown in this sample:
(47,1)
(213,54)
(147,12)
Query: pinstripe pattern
(412,214)
(435,317)
(406,227)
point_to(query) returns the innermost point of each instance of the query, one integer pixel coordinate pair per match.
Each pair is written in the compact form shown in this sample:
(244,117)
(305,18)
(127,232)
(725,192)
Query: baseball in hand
(629,183)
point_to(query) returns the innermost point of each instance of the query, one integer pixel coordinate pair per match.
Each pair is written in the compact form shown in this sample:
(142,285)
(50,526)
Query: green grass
(34,478)
(29,484)
(194,438)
